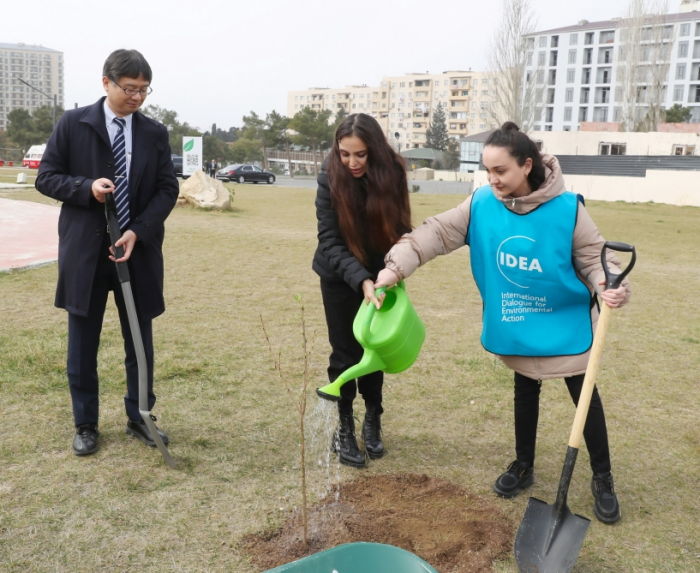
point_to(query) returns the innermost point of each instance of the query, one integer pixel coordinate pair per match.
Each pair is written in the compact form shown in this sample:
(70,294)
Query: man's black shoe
(140,430)
(518,477)
(606,507)
(85,439)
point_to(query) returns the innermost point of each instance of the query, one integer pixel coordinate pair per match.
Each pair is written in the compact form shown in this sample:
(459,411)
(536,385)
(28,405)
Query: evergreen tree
(678,114)
(436,135)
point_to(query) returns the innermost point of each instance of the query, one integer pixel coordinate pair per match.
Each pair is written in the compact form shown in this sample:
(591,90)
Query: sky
(214,61)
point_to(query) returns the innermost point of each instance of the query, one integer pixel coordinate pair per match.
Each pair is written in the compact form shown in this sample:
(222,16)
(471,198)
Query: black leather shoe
(85,439)
(345,443)
(140,430)
(518,477)
(372,433)
(606,507)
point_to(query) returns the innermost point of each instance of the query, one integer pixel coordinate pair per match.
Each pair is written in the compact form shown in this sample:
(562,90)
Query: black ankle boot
(372,433)
(606,507)
(345,443)
(518,477)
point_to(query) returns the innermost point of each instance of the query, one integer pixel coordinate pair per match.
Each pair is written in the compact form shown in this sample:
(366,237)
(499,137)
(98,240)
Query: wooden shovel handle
(584,400)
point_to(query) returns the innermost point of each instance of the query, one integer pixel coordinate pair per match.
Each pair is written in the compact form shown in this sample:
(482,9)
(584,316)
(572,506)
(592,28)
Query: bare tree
(510,52)
(643,63)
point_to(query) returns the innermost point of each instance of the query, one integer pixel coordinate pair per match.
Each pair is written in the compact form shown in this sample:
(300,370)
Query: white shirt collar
(110,115)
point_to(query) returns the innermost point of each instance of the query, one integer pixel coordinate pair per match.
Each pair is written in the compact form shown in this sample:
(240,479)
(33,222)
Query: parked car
(2,162)
(242,173)
(177,164)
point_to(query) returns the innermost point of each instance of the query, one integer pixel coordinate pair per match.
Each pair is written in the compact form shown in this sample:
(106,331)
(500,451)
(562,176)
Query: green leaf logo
(189,145)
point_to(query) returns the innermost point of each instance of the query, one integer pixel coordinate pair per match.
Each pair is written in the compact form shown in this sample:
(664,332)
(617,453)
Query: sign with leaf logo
(191,155)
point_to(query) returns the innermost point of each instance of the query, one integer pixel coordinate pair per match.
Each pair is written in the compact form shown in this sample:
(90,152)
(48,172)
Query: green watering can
(358,558)
(391,336)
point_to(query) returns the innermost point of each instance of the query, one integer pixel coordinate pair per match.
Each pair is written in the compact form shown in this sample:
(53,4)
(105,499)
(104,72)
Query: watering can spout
(371,362)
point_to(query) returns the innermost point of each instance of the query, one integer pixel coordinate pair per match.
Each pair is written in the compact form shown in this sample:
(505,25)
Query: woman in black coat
(362,208)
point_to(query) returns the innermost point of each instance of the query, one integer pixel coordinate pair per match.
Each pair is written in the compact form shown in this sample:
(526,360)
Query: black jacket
(77,153)
(333,261)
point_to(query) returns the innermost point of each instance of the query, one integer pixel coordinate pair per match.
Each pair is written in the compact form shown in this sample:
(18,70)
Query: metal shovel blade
(549,540)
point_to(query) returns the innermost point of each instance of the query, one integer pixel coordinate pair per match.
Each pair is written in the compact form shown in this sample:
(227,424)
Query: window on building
(683,150)
(586,76)
(585,93)
(553,58)
(530,44)
(567,113)
(678,93)
(550,95)
(612,149)
(572,56)
(583,114)
(569,95)
(540,76)
(682,49)
(543,41)
(549,115)
(684,30)
(587,56)
(588,38)
(541,58)
(680,71)
(607,37)
(570,76)
(529,58)
(573,39)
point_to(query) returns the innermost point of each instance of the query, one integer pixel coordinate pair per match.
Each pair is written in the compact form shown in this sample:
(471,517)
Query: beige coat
(447,232)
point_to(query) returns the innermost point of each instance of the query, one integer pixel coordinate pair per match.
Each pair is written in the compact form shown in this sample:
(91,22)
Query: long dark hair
(520,147)
(378,221)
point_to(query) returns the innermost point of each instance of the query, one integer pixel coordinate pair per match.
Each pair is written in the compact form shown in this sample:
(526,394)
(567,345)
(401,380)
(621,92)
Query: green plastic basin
(358,558)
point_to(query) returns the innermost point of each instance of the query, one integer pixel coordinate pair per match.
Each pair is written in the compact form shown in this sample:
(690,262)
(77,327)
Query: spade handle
(584,401)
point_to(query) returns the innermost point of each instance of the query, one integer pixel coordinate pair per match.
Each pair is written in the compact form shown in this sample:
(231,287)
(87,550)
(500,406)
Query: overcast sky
(216,60)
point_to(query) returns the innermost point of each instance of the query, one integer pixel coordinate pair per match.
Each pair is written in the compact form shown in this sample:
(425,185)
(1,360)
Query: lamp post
(47,95)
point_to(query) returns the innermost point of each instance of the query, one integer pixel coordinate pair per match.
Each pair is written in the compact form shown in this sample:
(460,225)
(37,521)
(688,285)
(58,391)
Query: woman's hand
(613,297)
(386,278)
(368,290)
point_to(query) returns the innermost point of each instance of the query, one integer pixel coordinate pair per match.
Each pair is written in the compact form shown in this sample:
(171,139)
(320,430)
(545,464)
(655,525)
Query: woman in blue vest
(535,257)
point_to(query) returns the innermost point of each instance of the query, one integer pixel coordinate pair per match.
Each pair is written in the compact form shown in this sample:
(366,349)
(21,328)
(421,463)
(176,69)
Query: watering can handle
(370,315)
(612,280)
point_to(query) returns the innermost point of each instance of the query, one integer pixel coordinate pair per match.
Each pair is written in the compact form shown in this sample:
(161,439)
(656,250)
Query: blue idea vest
(534,303)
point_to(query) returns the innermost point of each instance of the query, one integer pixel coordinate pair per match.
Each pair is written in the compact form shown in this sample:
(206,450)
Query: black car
(242,173)
(177,164)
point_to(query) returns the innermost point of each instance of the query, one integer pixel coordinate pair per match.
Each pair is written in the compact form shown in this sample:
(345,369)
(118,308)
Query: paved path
(28,234)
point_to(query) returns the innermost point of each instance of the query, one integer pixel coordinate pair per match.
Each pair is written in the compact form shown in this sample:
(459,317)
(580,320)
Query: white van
(33,156)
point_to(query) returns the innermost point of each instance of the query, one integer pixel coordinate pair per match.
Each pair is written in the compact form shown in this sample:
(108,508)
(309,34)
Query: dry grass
(234,433)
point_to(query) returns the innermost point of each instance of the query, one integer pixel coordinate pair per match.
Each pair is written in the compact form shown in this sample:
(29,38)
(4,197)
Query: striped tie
(121,187)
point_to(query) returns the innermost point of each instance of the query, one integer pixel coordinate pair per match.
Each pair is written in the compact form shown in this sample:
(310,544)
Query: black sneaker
(518,477)
(606,507)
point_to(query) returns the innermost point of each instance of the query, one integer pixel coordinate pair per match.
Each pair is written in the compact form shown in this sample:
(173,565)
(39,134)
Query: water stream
(321,424)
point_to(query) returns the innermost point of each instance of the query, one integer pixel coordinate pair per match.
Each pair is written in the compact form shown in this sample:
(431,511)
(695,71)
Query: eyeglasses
(132,92)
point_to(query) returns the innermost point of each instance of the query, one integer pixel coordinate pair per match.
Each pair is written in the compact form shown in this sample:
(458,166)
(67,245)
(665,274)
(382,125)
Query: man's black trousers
(84,341)
(341,304)
(527,408)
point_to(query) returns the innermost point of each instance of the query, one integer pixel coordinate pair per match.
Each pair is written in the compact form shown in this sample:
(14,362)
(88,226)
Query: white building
(36,65)
(575,69)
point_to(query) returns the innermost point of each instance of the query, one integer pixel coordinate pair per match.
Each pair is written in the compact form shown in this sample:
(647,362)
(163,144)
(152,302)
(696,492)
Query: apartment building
(39,66)
(405,105)
(576,70)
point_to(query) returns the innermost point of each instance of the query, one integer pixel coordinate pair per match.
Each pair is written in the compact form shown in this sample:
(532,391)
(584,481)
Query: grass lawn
(233,427)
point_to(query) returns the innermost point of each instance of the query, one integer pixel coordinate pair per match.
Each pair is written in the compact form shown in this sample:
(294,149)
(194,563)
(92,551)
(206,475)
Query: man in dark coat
(109,147)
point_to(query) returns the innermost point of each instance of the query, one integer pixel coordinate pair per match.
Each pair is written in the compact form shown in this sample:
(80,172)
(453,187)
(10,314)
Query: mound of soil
(453,530)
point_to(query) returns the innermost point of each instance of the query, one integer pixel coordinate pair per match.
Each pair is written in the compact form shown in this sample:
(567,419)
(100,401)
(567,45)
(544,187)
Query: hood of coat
(552,187)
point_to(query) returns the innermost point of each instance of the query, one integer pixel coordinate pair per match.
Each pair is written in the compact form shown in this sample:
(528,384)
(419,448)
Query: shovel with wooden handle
(125,280)
(549,538)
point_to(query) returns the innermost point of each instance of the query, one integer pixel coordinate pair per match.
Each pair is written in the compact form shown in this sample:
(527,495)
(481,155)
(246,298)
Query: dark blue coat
(77,153)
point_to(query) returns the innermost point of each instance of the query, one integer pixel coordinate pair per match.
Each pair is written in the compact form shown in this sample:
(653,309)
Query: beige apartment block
(39,66)
(405,105)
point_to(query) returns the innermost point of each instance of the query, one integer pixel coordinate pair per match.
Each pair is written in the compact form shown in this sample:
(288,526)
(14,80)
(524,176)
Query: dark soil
(453,530)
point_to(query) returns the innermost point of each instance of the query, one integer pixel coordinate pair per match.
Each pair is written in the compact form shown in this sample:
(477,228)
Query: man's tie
(121,184)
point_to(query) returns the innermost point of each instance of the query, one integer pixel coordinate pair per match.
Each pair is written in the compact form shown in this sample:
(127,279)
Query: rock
(205,192)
